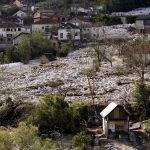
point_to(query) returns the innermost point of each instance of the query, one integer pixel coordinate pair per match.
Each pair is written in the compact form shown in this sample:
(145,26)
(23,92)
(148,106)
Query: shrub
(23,50)
(11,54)
(65,48)
(79,115)
(24,138)
(80,141)
(30,47)
(54,114)
(6,142)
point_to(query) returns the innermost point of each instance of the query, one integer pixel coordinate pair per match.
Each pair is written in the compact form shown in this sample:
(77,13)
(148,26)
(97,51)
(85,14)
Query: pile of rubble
(29,82)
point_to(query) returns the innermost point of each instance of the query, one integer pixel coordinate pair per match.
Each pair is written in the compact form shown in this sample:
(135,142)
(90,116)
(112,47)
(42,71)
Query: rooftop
(46,21)
(108,109)
(68,26)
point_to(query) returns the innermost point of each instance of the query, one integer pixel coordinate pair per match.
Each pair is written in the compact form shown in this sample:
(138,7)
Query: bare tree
(104,51)
(90,73)
(137,56)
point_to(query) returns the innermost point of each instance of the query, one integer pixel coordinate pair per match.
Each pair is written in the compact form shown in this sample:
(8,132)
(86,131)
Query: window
(19,29)
(43,28)
(7,29)
(61,35)
(76,34)
(14,29)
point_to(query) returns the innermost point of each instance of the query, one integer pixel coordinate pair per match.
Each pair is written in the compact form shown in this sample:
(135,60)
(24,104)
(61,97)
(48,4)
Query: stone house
(115,120)
(68,31)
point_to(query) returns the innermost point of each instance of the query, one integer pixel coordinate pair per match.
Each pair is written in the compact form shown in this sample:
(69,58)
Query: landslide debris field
(29,82)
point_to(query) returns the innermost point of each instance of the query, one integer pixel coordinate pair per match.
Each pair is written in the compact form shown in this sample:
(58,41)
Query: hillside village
(74,76)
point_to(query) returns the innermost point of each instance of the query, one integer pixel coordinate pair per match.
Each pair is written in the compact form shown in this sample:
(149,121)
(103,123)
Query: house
(17,39)
(44,25)
(143,23)
(15,19)
(18,3)
(45,13)
(20,14)
(9,30)
(115,121)
(82,22)
(68,31)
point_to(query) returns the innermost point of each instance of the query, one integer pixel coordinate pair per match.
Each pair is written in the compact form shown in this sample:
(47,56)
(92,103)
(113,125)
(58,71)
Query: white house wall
(139,24)
(65,34)
(41,27)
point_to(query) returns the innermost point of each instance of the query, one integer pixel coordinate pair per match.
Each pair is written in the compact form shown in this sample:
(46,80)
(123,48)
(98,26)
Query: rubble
(31,81)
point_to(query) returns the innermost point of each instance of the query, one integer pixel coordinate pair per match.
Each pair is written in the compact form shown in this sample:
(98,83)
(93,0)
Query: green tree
(80,141)
(52,113)
(142,99)
(23,50)
(65,48)
(79,115)
(40,45)
(11,54)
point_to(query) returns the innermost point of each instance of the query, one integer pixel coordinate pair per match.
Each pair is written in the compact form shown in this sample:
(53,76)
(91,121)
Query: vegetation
(24,137)
(80,141)
(142,99)
(30,46)
(54,114)
(65,48)
(136,56)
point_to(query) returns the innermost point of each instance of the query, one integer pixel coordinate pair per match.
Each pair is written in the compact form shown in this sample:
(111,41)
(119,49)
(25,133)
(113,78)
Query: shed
(115,121)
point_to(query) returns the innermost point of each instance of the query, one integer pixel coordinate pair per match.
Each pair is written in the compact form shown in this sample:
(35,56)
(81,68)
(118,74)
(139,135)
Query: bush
(6,142)
(24,138)
(40,45)
(54,114)
(79,115)
(23,51)
(11,54)
(65,48)
(30,47)
(80,141)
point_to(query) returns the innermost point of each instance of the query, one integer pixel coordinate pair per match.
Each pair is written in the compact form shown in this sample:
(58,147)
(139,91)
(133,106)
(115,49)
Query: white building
(44,25)
(69,31)
(115,121)
(9,30)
